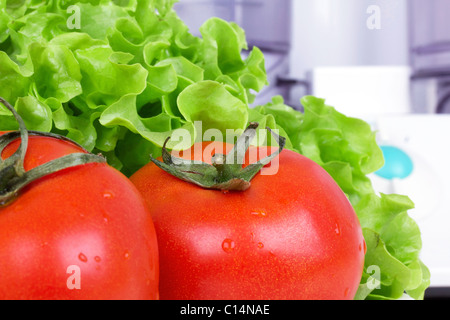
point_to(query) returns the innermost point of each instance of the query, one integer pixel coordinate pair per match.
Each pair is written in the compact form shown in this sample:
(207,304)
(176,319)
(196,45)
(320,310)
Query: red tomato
(80,233)
(291,235)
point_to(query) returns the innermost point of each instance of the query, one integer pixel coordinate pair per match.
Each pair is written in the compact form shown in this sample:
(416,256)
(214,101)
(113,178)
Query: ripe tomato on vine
(71,226)
(225,231)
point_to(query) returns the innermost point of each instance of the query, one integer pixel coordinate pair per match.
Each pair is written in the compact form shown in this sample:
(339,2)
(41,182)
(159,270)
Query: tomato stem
(13,177)
(226,172)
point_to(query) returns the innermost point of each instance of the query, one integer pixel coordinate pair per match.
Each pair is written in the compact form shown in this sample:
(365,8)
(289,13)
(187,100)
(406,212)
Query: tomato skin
(292,235)
(88,217)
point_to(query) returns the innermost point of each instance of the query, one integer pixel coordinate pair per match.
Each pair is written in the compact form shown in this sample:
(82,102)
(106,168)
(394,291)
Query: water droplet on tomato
(108,195)
(105,217)
(126,255)
(82,257)
(260,245)
(97,259)
(258,213)
(228,245)
(365,246)
(337,229)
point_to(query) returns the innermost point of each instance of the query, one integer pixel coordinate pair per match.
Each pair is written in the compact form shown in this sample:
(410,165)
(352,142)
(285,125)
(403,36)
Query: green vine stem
(13,177)
(225,171)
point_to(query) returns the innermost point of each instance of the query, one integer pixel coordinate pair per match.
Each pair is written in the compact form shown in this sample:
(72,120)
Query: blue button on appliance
(397,163)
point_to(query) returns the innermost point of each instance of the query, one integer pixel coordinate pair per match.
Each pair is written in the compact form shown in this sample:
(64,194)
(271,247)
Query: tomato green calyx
(226,172)
(13,177)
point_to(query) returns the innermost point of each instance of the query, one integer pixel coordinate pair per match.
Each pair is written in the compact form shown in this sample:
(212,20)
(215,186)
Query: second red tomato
(291,235)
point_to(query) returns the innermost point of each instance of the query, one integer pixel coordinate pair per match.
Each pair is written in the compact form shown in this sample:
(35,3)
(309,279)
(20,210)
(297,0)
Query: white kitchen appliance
(425,139)
(363,91)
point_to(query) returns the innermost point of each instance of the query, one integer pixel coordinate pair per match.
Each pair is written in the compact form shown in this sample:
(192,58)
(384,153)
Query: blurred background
(369,45)
(386,61)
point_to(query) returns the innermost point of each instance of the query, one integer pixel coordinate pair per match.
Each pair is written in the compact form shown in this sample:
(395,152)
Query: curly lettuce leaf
(209,101)
(276,115)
